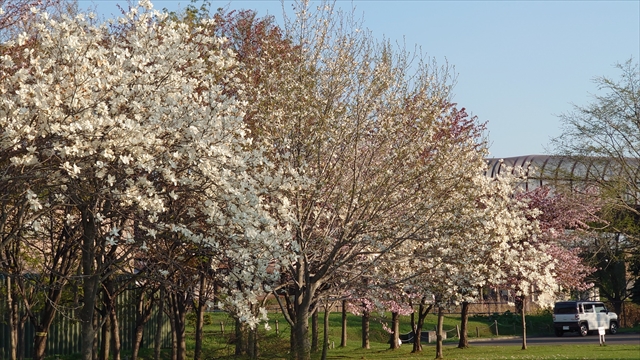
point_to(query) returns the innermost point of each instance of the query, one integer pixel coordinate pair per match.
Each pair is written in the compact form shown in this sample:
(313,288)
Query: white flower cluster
(136,119)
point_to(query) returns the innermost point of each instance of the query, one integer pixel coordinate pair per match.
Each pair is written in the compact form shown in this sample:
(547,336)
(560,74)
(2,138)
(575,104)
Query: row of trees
(218,158)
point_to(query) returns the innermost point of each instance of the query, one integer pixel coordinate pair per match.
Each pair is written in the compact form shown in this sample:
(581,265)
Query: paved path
(618,339)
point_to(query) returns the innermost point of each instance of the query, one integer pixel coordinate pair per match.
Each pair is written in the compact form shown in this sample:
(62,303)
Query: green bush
(191,319)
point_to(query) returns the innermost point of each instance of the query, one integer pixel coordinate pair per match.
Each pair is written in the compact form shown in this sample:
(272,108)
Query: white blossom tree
(468,246)
(121,120)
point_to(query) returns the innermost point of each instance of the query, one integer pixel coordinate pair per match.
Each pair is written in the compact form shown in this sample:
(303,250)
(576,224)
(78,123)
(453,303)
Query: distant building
(574,172)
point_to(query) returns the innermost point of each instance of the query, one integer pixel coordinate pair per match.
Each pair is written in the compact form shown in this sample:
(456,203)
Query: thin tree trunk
(241,338)
(252,345)
(365,329)
(250,341)
(524,323)
(179,301)
(343,337)
(110,336)
(292,340)
(298,310)
(314,330)
(417,331)
(13,320)
(42,327)
(144,309)
(174,329)
(90,284)
(394,340)
(200,318)
(106,337)
(256,343)
(137,341)
(439,333)
(423,311)
(64,260)
(21,342)
(157,344)
(325,332)
(116,343)
(464,324)
(180,309)
(96,341)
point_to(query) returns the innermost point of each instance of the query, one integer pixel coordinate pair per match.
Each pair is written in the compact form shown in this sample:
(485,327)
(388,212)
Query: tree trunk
(524,323)
(42,327)
(111,344)
(302,349)
(292,340)
(464,324)
(241,338)
(106,337)
(64,260)
(174,329)
(157,344)
(90,284)
(617,306)
(417,332)
(116,343)
(299,303)
(343,337)
(137,341)
(439,333)
(39,345)
(365,329)
(144,309)
(13,320)
(325,332)
(394,340)
(96,341)
(179,308)
(200,318)
(423,311)
(21,342)
(252,344)
(300,314)
(314,330)
(256,344)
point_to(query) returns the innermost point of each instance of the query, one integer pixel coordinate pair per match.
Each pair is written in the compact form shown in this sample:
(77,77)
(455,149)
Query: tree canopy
(226,159)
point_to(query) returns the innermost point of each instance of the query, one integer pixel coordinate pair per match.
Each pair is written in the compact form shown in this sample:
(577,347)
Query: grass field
(272,345)
(494,352)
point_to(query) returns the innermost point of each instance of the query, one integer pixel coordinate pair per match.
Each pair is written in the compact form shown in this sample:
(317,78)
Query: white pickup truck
(583,316)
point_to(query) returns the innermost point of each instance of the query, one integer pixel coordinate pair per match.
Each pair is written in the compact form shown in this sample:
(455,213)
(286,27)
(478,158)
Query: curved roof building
(558,170)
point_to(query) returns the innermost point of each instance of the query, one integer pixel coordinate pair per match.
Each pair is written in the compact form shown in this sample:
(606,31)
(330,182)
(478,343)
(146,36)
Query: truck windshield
(565,309)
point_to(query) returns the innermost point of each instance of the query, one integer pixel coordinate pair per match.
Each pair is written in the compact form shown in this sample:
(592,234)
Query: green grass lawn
(272,345)
(494,352)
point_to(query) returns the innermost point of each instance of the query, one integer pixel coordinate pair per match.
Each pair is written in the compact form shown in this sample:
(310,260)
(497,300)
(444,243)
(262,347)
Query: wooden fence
(64,333)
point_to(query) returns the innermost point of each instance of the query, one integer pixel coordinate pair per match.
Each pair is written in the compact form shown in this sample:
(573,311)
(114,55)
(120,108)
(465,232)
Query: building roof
(554,169)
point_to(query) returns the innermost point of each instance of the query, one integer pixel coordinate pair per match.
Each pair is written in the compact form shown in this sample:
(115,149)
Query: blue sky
(520,64)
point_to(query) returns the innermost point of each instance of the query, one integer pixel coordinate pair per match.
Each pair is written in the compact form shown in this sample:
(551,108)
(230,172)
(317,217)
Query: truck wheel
(559,332)
(613,327)
(584,329)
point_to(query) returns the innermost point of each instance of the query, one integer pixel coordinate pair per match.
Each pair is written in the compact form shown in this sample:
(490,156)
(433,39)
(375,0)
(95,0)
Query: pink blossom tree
(564,221)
